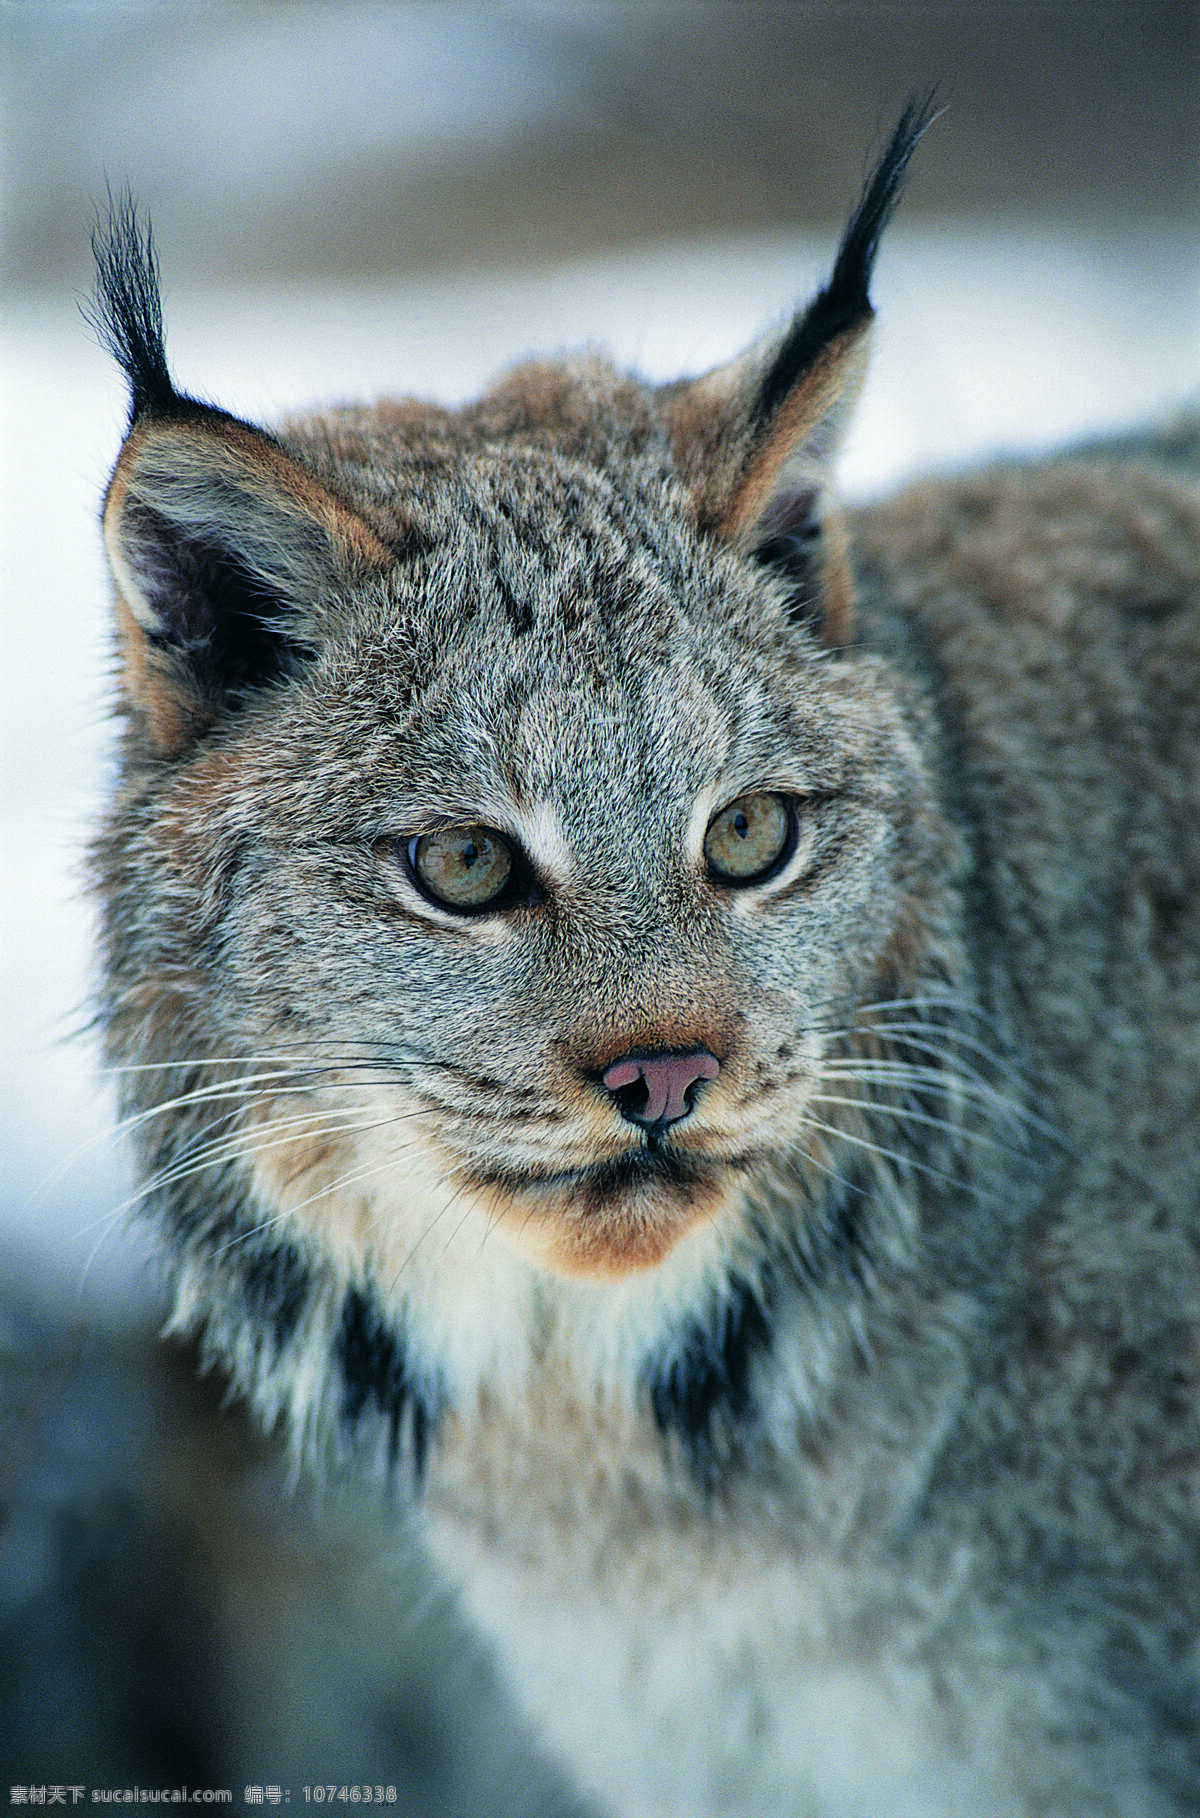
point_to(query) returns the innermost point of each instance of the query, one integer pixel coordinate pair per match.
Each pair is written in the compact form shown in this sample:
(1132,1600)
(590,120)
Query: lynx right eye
(750,839)
(463,868)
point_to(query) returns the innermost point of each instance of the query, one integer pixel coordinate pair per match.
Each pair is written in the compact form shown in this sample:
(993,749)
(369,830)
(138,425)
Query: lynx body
(670,1019)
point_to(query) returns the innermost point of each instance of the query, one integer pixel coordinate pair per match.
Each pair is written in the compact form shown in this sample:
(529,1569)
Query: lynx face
(596,772)
(512,843)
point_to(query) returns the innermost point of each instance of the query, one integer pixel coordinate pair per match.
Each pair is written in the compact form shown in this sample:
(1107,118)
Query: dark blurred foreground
(175,1612)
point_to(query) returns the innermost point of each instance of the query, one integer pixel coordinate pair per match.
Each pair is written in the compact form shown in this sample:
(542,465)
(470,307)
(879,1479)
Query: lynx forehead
(672,1017)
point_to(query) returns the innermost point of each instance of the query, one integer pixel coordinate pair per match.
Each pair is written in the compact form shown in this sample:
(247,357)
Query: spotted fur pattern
(829,1448)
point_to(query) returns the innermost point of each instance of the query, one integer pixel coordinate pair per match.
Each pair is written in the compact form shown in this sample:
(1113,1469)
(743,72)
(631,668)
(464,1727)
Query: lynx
(663,1015)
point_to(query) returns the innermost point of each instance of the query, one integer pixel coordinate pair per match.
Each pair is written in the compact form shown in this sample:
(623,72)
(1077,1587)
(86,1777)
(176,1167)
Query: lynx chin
(664,1017)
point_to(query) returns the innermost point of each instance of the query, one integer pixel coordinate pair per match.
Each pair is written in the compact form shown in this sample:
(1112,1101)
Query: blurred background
(352,199)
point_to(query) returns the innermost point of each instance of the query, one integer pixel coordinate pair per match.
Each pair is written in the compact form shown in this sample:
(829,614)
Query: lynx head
(509,836)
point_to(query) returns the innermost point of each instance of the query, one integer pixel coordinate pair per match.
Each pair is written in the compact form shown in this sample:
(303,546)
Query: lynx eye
(747,841)
(462,868)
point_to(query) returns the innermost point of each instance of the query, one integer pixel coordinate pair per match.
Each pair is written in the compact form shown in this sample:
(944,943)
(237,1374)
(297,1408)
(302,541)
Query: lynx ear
(221,545)
(757,438)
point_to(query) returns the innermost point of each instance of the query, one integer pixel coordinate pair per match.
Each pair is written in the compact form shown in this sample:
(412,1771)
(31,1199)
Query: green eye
(462,867)
(750,839)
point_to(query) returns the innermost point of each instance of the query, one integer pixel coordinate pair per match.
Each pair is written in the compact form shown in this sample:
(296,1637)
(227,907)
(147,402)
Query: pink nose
(665,1082)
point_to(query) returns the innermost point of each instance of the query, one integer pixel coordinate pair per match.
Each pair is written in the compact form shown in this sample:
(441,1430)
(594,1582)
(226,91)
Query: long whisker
(488,1224)
(903,1162)
(904,1114)
(915,1072)
(132,1121)
(242,1144)
(1004,1094)
(279,1083)
(335,1186)
(936,1015)
(931,1038)
(217,1093)
(429,1229)
(934,999)
(903,1075)
(314,1061)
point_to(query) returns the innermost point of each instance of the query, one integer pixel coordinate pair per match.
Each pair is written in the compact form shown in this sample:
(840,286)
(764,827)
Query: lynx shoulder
(667,1016)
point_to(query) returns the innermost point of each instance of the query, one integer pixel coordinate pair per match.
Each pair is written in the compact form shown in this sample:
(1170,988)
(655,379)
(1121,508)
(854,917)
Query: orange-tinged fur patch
(588,1231)
(805,421)
(238,452)
(608,1247)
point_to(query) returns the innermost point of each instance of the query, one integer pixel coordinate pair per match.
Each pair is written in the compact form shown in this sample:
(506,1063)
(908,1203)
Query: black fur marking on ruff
(701,1391)
(376,1380)
(700,1394)
(843,302)
(276,1285)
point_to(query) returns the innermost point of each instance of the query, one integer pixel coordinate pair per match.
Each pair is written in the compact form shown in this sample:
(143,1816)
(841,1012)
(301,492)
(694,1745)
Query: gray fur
(835,1452)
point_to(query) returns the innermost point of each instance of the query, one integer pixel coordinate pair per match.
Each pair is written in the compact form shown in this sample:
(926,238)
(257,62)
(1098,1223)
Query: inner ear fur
(783,507)
(222,548)
(766,487)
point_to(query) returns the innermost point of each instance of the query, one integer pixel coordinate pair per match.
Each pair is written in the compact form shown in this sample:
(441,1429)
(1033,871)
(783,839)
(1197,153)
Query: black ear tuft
(881,192)
(843,302)
(127,310)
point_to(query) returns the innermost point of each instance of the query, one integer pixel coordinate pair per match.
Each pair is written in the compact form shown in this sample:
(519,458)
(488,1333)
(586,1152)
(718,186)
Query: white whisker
(904,1114)
(340,1184)
(429,1229)
(126,1125)
(901,1160)
(901,1074)
(938,1041)
(241,1145)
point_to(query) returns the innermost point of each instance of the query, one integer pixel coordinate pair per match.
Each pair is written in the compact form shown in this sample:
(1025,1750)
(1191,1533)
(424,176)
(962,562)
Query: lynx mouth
(613,1217)
(652,1164)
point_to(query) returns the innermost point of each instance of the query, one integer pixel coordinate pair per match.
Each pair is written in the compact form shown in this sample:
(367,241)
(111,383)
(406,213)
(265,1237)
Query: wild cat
(669,1016)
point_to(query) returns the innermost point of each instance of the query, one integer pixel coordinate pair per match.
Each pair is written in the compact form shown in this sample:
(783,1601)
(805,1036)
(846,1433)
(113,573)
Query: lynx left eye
(750,839)
(465,868)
